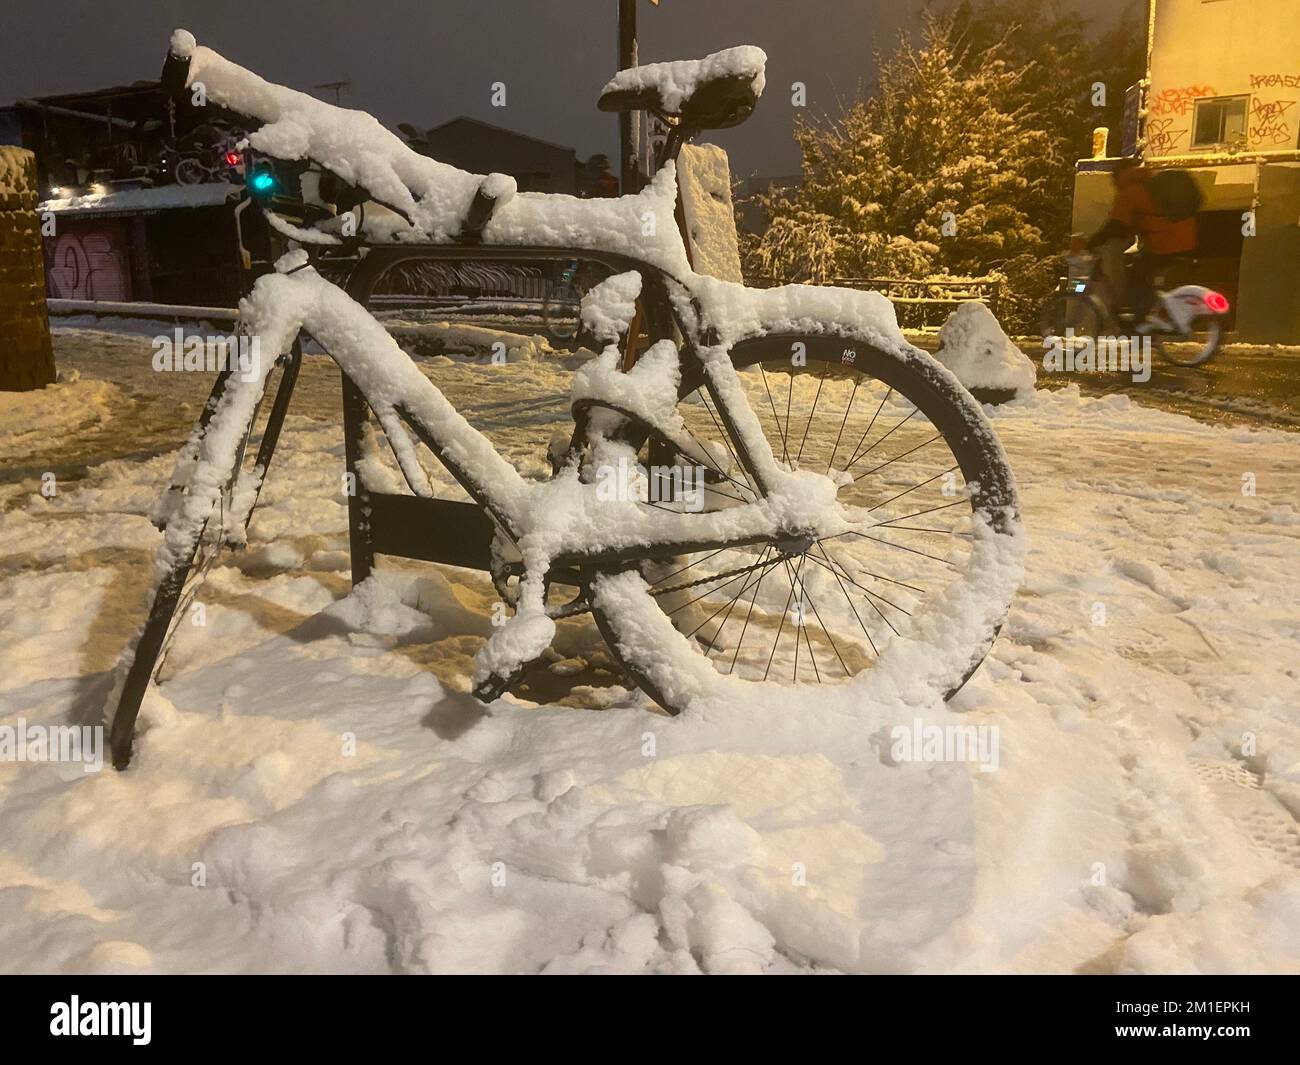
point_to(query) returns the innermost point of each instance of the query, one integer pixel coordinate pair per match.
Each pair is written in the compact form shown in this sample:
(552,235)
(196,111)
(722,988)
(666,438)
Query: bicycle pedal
(495,685)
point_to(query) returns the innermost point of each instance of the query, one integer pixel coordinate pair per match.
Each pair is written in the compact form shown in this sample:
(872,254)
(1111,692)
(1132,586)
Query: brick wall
(26,359)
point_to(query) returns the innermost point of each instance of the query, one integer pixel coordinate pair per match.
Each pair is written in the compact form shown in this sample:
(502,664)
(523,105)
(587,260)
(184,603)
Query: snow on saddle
(716,92)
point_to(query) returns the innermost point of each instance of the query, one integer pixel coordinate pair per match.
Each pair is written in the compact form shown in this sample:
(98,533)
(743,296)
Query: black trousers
(1140,287)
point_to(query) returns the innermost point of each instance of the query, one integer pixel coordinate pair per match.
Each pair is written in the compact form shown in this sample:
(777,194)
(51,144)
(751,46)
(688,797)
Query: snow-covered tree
(934,173)
(1070,83)
(959,163)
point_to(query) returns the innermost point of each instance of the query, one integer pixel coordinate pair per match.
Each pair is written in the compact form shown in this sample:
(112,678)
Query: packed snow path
(1142,815)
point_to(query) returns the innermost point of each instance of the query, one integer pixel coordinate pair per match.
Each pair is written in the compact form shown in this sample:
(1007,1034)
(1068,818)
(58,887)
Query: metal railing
(925,304)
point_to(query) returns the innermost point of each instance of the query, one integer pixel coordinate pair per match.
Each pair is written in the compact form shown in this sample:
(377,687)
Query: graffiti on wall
(1272,122)
(1275,81)
(1179,101)
(1162,138)
(88,264)
(1167,128)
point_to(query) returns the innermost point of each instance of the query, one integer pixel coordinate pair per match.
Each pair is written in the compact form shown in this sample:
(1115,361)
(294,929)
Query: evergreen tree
(961,161)
(938,171)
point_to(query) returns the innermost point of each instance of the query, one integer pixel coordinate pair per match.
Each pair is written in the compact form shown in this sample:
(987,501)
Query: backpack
(1175,194)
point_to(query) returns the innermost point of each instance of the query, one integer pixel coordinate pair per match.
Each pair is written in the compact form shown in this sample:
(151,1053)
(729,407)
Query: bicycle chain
(718,576)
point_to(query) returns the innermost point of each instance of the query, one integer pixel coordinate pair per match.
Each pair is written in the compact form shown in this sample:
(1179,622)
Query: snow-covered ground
(315,789)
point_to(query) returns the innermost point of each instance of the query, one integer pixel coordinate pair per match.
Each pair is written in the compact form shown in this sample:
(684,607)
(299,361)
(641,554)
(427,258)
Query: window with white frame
(1220,120)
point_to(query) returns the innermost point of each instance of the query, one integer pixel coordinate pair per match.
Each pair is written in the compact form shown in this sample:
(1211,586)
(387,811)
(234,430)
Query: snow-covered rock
(704,176)
(973,346)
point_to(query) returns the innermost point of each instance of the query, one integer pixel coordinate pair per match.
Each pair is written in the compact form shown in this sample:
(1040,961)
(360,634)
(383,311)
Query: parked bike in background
(206,153)
(561,305)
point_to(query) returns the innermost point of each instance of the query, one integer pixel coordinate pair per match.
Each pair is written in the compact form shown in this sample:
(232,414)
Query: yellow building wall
(1269,303)
(1204,48)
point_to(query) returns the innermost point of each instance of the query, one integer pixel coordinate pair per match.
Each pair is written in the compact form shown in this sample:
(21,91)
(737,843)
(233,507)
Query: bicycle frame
(460,533)
(1181,305)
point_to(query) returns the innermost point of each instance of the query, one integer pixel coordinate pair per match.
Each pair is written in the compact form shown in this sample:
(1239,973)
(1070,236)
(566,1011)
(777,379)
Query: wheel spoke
(780,626)
(831,461)
(805,596)
(870,601)
(879,576)
(732,575)
(785,451)
(830,639)
(898,547)
(877,469)
(898,425)
(808,426)
(731,606)
(913,488)
(916,514)
(688,565)
(726,440)
(719,610)
(849,599)
(736,653)
(875,595)
(867,430)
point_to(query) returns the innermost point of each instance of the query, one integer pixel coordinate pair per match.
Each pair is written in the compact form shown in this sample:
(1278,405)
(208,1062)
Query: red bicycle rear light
(1217,302)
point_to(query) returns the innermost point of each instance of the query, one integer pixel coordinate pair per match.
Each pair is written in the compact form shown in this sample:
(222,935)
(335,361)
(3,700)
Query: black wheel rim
(822,612)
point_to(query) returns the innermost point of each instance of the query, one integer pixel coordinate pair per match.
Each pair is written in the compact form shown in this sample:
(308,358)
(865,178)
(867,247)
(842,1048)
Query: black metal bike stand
(451,531)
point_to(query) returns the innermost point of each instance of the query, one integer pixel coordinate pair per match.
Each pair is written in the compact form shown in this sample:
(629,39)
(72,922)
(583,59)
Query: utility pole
(629,122)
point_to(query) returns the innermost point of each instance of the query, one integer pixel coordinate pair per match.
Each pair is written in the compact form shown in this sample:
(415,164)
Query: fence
(926,304)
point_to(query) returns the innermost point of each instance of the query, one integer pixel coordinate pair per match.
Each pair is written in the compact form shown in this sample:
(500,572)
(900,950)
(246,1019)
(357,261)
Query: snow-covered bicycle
(759,486)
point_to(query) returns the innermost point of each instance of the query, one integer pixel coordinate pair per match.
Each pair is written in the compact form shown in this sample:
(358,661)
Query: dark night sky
(424,61)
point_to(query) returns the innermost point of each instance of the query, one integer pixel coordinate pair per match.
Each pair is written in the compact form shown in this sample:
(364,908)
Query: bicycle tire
(982,463)
(145,652)
(1207,349)
(1070,311)
(560,311)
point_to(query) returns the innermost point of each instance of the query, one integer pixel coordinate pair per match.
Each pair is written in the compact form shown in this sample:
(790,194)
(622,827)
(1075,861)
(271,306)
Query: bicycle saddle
(716,92)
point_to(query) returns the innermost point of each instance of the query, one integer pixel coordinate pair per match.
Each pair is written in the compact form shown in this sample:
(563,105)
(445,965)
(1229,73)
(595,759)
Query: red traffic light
(233,158)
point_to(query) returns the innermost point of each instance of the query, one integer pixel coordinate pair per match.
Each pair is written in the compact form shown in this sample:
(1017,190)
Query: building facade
(482,148)
(1221,99)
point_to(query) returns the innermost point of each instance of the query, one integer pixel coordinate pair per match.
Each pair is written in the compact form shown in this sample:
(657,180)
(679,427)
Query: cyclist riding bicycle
(1160,210)
(597,179)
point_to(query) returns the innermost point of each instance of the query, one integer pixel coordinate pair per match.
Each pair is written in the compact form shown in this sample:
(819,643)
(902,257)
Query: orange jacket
(1134,208)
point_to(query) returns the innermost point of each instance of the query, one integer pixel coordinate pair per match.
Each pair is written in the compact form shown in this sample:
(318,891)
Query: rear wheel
(918,469)
(560,310)
(190,171)
(1197,346)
